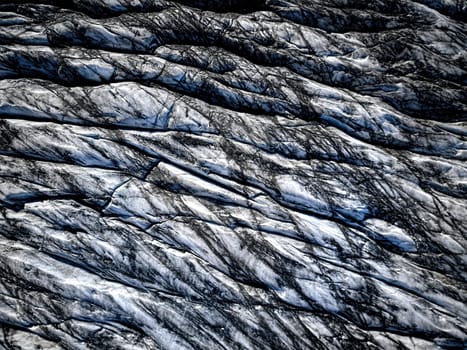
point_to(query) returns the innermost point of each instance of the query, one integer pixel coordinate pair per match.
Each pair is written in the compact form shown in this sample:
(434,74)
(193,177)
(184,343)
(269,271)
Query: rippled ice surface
(233,174)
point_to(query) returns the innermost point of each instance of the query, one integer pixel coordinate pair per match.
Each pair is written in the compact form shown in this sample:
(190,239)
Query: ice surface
(233,175)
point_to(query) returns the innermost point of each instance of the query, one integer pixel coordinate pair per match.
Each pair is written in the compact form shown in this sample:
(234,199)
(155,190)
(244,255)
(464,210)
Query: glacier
(263,174)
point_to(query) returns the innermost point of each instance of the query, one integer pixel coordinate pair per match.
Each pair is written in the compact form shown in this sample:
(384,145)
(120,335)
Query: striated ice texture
(241,174)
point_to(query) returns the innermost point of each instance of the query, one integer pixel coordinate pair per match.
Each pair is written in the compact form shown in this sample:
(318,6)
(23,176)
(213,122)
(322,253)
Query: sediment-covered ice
(233,174)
